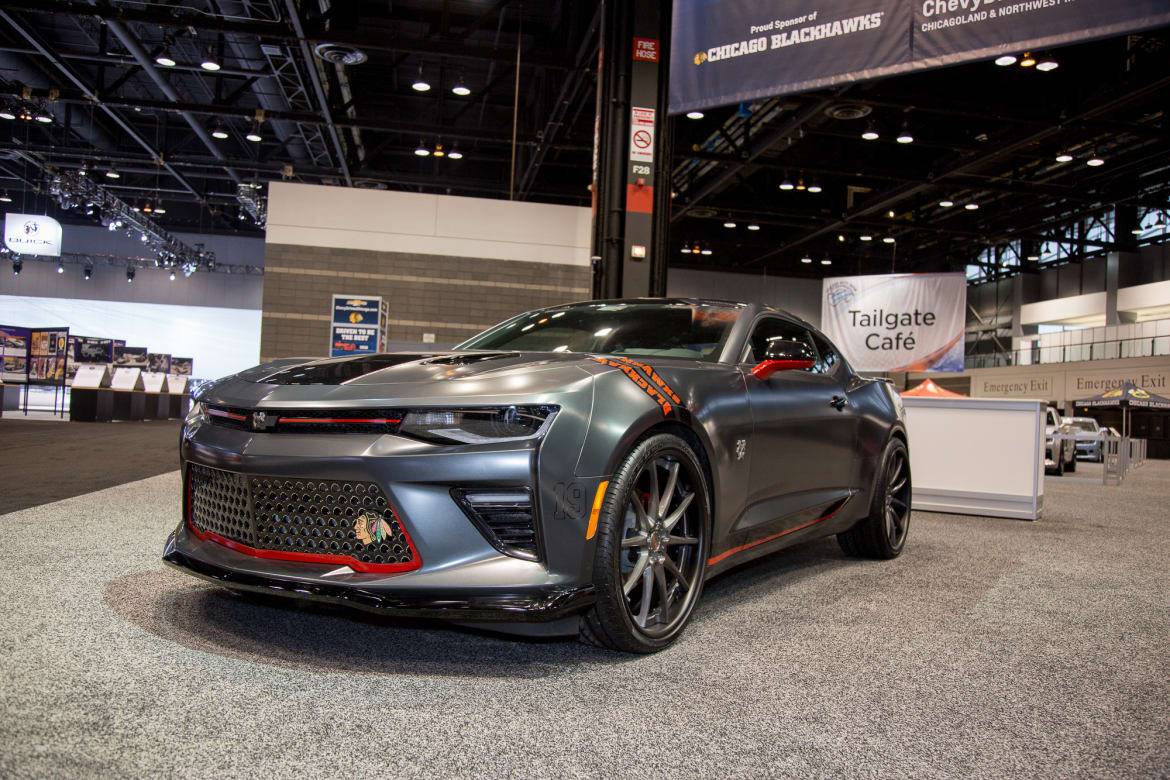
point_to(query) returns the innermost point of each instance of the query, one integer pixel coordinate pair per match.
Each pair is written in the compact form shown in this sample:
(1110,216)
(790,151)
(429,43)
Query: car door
(804,430)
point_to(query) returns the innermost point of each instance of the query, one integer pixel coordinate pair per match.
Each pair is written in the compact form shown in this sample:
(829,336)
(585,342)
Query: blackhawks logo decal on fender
(371,528)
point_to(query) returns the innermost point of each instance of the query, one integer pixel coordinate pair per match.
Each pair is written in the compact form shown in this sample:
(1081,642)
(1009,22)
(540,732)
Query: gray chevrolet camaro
(577,469)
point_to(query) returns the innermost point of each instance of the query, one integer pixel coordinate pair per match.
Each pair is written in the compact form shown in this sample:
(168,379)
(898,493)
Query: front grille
(300,519)
(306,420)
(504,517)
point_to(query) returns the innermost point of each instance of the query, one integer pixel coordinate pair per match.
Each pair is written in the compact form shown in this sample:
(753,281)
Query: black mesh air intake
(505,517)
(308,520)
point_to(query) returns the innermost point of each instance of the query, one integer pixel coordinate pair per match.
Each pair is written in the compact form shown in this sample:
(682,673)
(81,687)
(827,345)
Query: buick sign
(32,234)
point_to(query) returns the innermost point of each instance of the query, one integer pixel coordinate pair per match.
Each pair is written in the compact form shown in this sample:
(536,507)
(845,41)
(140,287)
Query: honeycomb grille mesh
(322,517)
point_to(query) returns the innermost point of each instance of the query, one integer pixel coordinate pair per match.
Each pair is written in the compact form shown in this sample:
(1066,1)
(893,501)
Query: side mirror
(784,355)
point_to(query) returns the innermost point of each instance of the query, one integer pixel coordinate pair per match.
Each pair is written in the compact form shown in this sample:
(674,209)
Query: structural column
(631,184)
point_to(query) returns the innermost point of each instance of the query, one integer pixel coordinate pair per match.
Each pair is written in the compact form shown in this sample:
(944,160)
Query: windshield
(1085,425)
(665,329)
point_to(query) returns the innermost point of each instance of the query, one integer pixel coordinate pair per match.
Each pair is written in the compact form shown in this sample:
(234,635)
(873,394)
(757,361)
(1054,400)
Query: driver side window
(770,329)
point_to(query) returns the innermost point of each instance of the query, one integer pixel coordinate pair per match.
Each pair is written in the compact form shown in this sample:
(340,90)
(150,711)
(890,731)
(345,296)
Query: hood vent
(339,371)
(469,358)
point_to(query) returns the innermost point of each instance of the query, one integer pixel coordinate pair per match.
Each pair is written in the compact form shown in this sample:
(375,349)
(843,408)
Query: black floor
(43,461)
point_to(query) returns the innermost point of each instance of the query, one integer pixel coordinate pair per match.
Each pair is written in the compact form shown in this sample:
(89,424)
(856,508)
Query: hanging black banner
(727,51)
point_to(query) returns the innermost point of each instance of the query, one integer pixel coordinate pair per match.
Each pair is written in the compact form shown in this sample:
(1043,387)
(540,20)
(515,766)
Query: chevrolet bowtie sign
(728,51)
(32,234)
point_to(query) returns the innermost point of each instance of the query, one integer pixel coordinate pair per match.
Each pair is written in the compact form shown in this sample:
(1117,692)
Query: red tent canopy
(929,389)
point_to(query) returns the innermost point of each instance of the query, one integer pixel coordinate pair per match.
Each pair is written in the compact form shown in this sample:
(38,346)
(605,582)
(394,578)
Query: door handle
(839,402)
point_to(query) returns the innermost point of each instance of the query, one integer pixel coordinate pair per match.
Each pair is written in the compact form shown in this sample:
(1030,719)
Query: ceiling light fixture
(210,63)
(972,207)
(753,227)
(826,261)
(1005,60)
(1064,157)
(7,113)
(172,276)
(905,136)
(787,185)
(112,173)
(806,260)
(706,251)
(800,185)
(728,224)
(421,150)
(254,134)
(888,240)
(455,154)
(130,274)
(164,58)
(17,266)
(871,132)
(420,83)
(87,272)
(461,89)
(866,237)
(946,204)
(1096,161)
(1047,64)
(219,131)
(841,237)
(5,197)
(43,116)
(439,151)
(814,188)
(60,267)
(1027,61)
(695,115)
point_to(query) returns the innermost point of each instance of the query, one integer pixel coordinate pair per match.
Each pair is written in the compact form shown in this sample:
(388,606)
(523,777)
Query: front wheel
(882,533)
(652,542)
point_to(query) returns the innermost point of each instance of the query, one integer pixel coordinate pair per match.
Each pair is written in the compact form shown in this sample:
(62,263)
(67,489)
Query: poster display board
(154,382)
(357,325)
(48,355)
(158,362)
(32,234)
(14,353)
(91,376)
(127,379)
(130,357)
(88,350)
(728,51)
(181,366)
(897,322)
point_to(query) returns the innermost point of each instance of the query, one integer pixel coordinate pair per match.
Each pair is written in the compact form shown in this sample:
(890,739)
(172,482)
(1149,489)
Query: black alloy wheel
(882,533)
(652,547)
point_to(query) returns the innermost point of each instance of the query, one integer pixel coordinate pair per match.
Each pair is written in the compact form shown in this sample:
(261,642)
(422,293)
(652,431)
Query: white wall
(386,221)
(801,297)
(221,340)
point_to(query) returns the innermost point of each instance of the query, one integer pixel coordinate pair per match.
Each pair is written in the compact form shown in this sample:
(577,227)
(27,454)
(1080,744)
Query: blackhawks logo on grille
(371,528)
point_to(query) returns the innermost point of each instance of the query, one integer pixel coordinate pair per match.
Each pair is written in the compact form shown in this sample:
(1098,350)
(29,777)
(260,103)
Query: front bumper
(1089,449)
(535,605)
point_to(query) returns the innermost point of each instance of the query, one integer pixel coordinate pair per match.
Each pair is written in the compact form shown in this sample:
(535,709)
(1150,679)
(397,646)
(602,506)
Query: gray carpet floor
(992,648)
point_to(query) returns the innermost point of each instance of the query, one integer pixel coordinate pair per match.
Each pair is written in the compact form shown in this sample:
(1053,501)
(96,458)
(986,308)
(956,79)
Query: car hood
(407,378)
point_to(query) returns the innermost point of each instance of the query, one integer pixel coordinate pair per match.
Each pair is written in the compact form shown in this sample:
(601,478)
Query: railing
(1120,455)
(1036,354)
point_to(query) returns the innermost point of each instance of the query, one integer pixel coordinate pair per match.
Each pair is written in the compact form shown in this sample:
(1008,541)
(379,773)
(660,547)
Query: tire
(882,533)
(1060,466)
(637,536)
(1072,464)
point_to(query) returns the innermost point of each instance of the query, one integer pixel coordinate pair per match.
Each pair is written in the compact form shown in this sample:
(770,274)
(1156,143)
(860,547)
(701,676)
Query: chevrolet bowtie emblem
(260,421)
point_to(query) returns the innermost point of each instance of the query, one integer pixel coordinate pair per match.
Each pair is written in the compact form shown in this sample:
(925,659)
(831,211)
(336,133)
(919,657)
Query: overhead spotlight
(461,89)
(130,274)
(728,224)
(841,237)
(420,83)
(218,131)
(1027,61)
(43,116)
(84,169)
(787,185)
(60,267)
(866,237)
(800,186)
(1064,157)
(171,276)
(888,240)
(1137,231)
(147,208)
(210,61)
(871,132)
(1005,60)
(17,266)
(972,207)
(1034,258)
(1096,161)
(686,250)
(439,151)
(5,197)
(890,214)
(1047,64)
(87,272)
(706,251)
(946,204)
(158,209)
(7,113)
(696,249)
(455,154)
(144,238)
(254,134)
(421,150)
(753,227)
(806,260)
(112,173)
(905,136)
(164,58)
(814,188)
(826,261)
(695,115)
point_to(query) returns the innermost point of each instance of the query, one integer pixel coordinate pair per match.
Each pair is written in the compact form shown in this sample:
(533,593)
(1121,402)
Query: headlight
(196,414)
(487,425)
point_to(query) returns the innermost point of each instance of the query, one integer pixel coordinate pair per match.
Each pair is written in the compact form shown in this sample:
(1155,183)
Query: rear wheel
(652,542)
(1072,463)
(882,534)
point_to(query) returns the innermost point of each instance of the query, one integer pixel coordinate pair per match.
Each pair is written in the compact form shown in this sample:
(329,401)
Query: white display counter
(977,456)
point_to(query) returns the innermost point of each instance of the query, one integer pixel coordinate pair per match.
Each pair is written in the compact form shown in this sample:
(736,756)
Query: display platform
(91,404)
(129,405)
